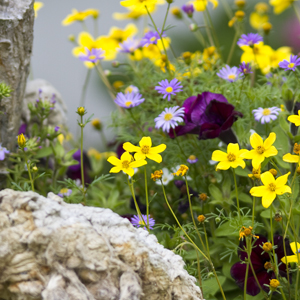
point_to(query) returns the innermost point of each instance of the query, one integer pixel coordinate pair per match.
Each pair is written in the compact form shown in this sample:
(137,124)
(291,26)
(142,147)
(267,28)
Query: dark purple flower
(74,172)
(56,128)
(245,68)
(261,264)
(188,9)
(22,129)
(208,115)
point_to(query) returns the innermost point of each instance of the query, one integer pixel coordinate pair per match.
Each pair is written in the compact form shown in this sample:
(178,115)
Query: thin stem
(177,142)
(236,193)
(207,30)
(136,122)
(134,199)
(206,239)
(29,173)
(84,88)
(147,200)
(239,98)
(255,277)
(54,173)
(287,265)
(167,13)
(201,38)
(95,27)
(253,210)
(81,158)
(247,269)
(233,45)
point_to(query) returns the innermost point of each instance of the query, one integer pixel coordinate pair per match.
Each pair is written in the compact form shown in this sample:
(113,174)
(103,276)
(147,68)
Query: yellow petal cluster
(281,5)
(295,119)
(37,6)
(125,164)
(200,5)
(181,171)
(261,149)
(293,258)
(145,150)
(290,158)
(233,157)
(138,4)
(271,188)
(80,16)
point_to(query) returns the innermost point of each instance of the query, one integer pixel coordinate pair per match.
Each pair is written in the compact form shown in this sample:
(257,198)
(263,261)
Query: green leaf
(44,152)
(266,213)
(211,287)
(283,123)
(215,192)
(59,150)
(70,154)
(245,198)
(225,230)
(241,172)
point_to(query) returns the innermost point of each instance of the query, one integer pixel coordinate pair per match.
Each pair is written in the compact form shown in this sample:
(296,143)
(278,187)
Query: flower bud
(176,12)
(170,1)
(81,111)
(193,27)
(203,197)
(187,57)
(267,27)
(71,38)
(21,140)
(240,3)
(239,15)
(218,220)
(34,169)
(96,123)
(201,218)
(274,284)
(273,172)
(267,247)
(107,73)
(115,64)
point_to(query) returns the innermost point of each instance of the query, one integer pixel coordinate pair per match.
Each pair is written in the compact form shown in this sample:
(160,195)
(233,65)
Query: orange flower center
(272,187)
(231,157)
(260,149)
(125,164)
(145,149)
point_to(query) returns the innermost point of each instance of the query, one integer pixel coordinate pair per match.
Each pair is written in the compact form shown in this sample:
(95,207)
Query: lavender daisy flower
(290,65)
(188,9)
(230,74)
(3,151)
(169,89)
(129,100)
(65,192)
(169,118)
(137,222)
(265,115)
(129,46)
(245,68)
(150,38)
(92,56)
(192,159)
(249,39)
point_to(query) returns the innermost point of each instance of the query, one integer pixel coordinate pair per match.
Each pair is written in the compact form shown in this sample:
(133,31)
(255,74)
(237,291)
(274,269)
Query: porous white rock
(57,251)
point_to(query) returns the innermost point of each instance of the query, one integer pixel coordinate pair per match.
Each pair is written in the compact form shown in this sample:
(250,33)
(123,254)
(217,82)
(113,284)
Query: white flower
(166,177)
(169,118)
(265,115)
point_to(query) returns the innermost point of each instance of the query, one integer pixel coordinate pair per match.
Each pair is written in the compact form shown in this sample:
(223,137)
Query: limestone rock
(52,250)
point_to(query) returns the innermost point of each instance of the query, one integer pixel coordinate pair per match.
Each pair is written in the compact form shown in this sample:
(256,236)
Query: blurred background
(53,61)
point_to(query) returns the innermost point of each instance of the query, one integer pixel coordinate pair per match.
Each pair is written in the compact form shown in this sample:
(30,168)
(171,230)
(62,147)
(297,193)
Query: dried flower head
(201,218)
(203,197)
(267,247)
(274,284)
(157,175)
(181,171)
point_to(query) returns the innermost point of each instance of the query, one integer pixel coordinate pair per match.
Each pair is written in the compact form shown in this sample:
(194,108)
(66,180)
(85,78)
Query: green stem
(255,277)
(287,265)
(236,193)
(84,88)
(29,173)
(54,173)
(81,159)
(233,45)
(136,122)
(167,13)
(247,269)
(239,98)
(147,200)
(201,38)
(134,199)
(253,210)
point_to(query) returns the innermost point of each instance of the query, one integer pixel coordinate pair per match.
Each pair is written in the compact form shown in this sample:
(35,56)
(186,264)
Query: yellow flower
(134,13)
(261,149)
(61,138)
(270,188)
(200,5)
(257,20)
(94,153)
(201,218)
(261,7)
(125,164)
(37,6)
(295,119)
(79,16)
(96,123)
(145,149)
(230,159)
(85,40)
(255,173)
(244,232)
(182,170)
(276,57)
(293,258)
(274,284)
(157,174)
(120,35)
(281,5)
(21,140)
(138,4)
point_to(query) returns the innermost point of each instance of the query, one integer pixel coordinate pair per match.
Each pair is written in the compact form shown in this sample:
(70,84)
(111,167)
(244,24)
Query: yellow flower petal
(155,157)
(146,141)
(259,191)
(114,161)
(290,259)
(290,158)
(295,247)
(257,159)
(115,170)
(268,198)
(272,151)
(138,163)
(130,147)
(233,148)
(219,155)
(158,149)
(238,163)
(223,165)
(126,156)
(128,171)
(282,190)
(86,40)
(139,155)
(270,140)
(294,119)
(282,180)
(248,154)
(267,178)
(256,140)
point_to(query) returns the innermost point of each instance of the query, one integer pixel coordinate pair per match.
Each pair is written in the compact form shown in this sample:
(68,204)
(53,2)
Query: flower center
(142,223)
(64,190)
(268,265)
(272,187)
(125,164)
(91,57)
(131,49)
(231,76)
(145,149)
(297,148)
(260,149)
(245,71)
(192,157)
(255,50)
(231,157)
(153,39)
(168,117)
(169,89)
(128,103)
(291,65)
(266,112)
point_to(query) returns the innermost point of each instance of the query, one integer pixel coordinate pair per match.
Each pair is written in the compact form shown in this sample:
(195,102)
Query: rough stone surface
(16,37)
(58,116)
(57,251)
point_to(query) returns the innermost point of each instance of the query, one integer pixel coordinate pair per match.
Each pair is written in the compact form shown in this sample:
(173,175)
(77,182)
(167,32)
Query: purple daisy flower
(65,192)
(245,68)
(129,46)
(192,159)
(188,9)
(137,222)
(249,39)
(129,100)
(265,115)
(151,38)
(169,118)
(290,65)
(169,89)
(230,74)
(3,151)
(92,56)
